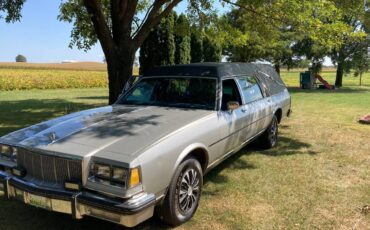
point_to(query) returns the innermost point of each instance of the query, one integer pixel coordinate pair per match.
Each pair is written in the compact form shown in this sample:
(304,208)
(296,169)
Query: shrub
(20,58)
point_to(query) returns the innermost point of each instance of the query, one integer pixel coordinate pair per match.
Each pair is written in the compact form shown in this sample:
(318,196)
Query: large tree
(270,29)
(354,15)
(360,60)
(119,29)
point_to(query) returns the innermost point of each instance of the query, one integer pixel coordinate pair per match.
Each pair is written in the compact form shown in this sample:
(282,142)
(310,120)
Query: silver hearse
(148,152)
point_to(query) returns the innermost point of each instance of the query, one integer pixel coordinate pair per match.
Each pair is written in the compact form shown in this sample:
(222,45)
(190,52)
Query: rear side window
(250,88)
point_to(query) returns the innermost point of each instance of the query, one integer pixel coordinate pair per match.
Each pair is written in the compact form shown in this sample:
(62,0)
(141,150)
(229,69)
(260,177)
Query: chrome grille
(50,169)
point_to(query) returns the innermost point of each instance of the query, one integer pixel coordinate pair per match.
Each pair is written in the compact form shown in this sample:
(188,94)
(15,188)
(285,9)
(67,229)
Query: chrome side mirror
(232,105)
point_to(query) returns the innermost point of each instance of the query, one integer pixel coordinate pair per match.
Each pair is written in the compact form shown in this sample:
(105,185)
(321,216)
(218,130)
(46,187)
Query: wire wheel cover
(189,190)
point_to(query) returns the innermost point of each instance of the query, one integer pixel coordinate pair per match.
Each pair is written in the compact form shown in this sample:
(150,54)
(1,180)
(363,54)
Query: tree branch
(152,10)
(117,9)
(253,11)
(129,15)
(122,13)
(102,30)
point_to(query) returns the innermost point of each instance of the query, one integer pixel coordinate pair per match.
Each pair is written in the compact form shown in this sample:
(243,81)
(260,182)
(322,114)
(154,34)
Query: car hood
(118,129)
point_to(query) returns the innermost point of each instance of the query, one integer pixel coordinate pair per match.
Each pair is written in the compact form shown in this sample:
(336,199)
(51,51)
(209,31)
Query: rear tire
(269,138)
(183,195)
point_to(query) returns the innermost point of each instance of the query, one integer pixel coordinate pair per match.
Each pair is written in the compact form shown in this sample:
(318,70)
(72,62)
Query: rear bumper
(78,204)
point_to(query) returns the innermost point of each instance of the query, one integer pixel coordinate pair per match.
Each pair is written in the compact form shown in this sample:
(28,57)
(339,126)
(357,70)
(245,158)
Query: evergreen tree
(167,40)
(149,55)
(182,39)
(212,51)
(196,45)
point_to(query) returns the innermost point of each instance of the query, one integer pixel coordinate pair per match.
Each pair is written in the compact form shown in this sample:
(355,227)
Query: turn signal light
(134,177)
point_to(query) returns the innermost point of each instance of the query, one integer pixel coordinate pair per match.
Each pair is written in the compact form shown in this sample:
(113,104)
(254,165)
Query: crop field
(21,76)
(318,177)
(91,66)
(20,79)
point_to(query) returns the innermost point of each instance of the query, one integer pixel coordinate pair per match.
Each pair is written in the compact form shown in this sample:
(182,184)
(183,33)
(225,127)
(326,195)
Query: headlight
(119,175)
(102,171)
(8,152)
(114,175)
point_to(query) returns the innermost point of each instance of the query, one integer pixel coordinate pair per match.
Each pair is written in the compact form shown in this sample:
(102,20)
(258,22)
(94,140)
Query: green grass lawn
(317,178)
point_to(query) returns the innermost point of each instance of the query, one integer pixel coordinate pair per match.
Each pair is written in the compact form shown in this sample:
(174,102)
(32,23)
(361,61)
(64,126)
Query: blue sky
(41,37)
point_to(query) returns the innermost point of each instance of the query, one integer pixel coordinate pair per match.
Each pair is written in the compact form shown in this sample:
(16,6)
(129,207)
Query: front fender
(187,151)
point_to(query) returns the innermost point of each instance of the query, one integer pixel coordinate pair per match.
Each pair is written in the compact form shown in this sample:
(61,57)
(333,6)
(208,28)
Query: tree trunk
(360,79)
(339,76)
(277,68)
(120,68)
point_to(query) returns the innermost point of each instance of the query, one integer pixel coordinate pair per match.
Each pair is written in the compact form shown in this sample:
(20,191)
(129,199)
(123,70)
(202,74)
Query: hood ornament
(52,137)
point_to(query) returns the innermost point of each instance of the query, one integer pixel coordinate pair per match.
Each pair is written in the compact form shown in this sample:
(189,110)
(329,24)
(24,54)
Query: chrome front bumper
(129,213)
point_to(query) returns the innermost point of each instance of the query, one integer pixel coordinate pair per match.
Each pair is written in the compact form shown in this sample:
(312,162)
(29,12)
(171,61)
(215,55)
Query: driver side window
(230,92)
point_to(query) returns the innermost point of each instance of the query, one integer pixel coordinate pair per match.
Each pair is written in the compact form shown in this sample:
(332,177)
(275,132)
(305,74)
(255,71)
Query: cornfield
(22,78)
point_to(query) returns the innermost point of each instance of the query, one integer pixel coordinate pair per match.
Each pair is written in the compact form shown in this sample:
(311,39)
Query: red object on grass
(365,119)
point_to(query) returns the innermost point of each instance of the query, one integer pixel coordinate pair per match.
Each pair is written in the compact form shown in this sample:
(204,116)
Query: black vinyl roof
(211,69)
(265,73)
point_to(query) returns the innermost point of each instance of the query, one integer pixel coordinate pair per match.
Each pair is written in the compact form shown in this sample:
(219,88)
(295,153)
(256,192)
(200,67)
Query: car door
(232,121)
(256,107)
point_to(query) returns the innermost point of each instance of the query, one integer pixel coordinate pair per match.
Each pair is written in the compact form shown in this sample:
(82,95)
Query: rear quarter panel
(281,101)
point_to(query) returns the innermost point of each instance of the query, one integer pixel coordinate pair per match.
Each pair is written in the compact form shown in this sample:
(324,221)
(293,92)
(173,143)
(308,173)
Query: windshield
(190,92)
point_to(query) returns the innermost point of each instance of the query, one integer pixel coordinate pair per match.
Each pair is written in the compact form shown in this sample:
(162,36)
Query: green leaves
(12,10)
(282,31)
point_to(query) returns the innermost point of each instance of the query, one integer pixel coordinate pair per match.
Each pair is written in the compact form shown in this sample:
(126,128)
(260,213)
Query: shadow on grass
(286,147)
(94,98)
(18,114)
(344,90)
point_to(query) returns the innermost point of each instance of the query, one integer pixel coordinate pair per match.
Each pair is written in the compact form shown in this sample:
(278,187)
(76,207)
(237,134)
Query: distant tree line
(176,41)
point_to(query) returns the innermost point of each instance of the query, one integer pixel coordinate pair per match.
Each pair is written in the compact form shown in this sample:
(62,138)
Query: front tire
(269,138)
(183,195)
